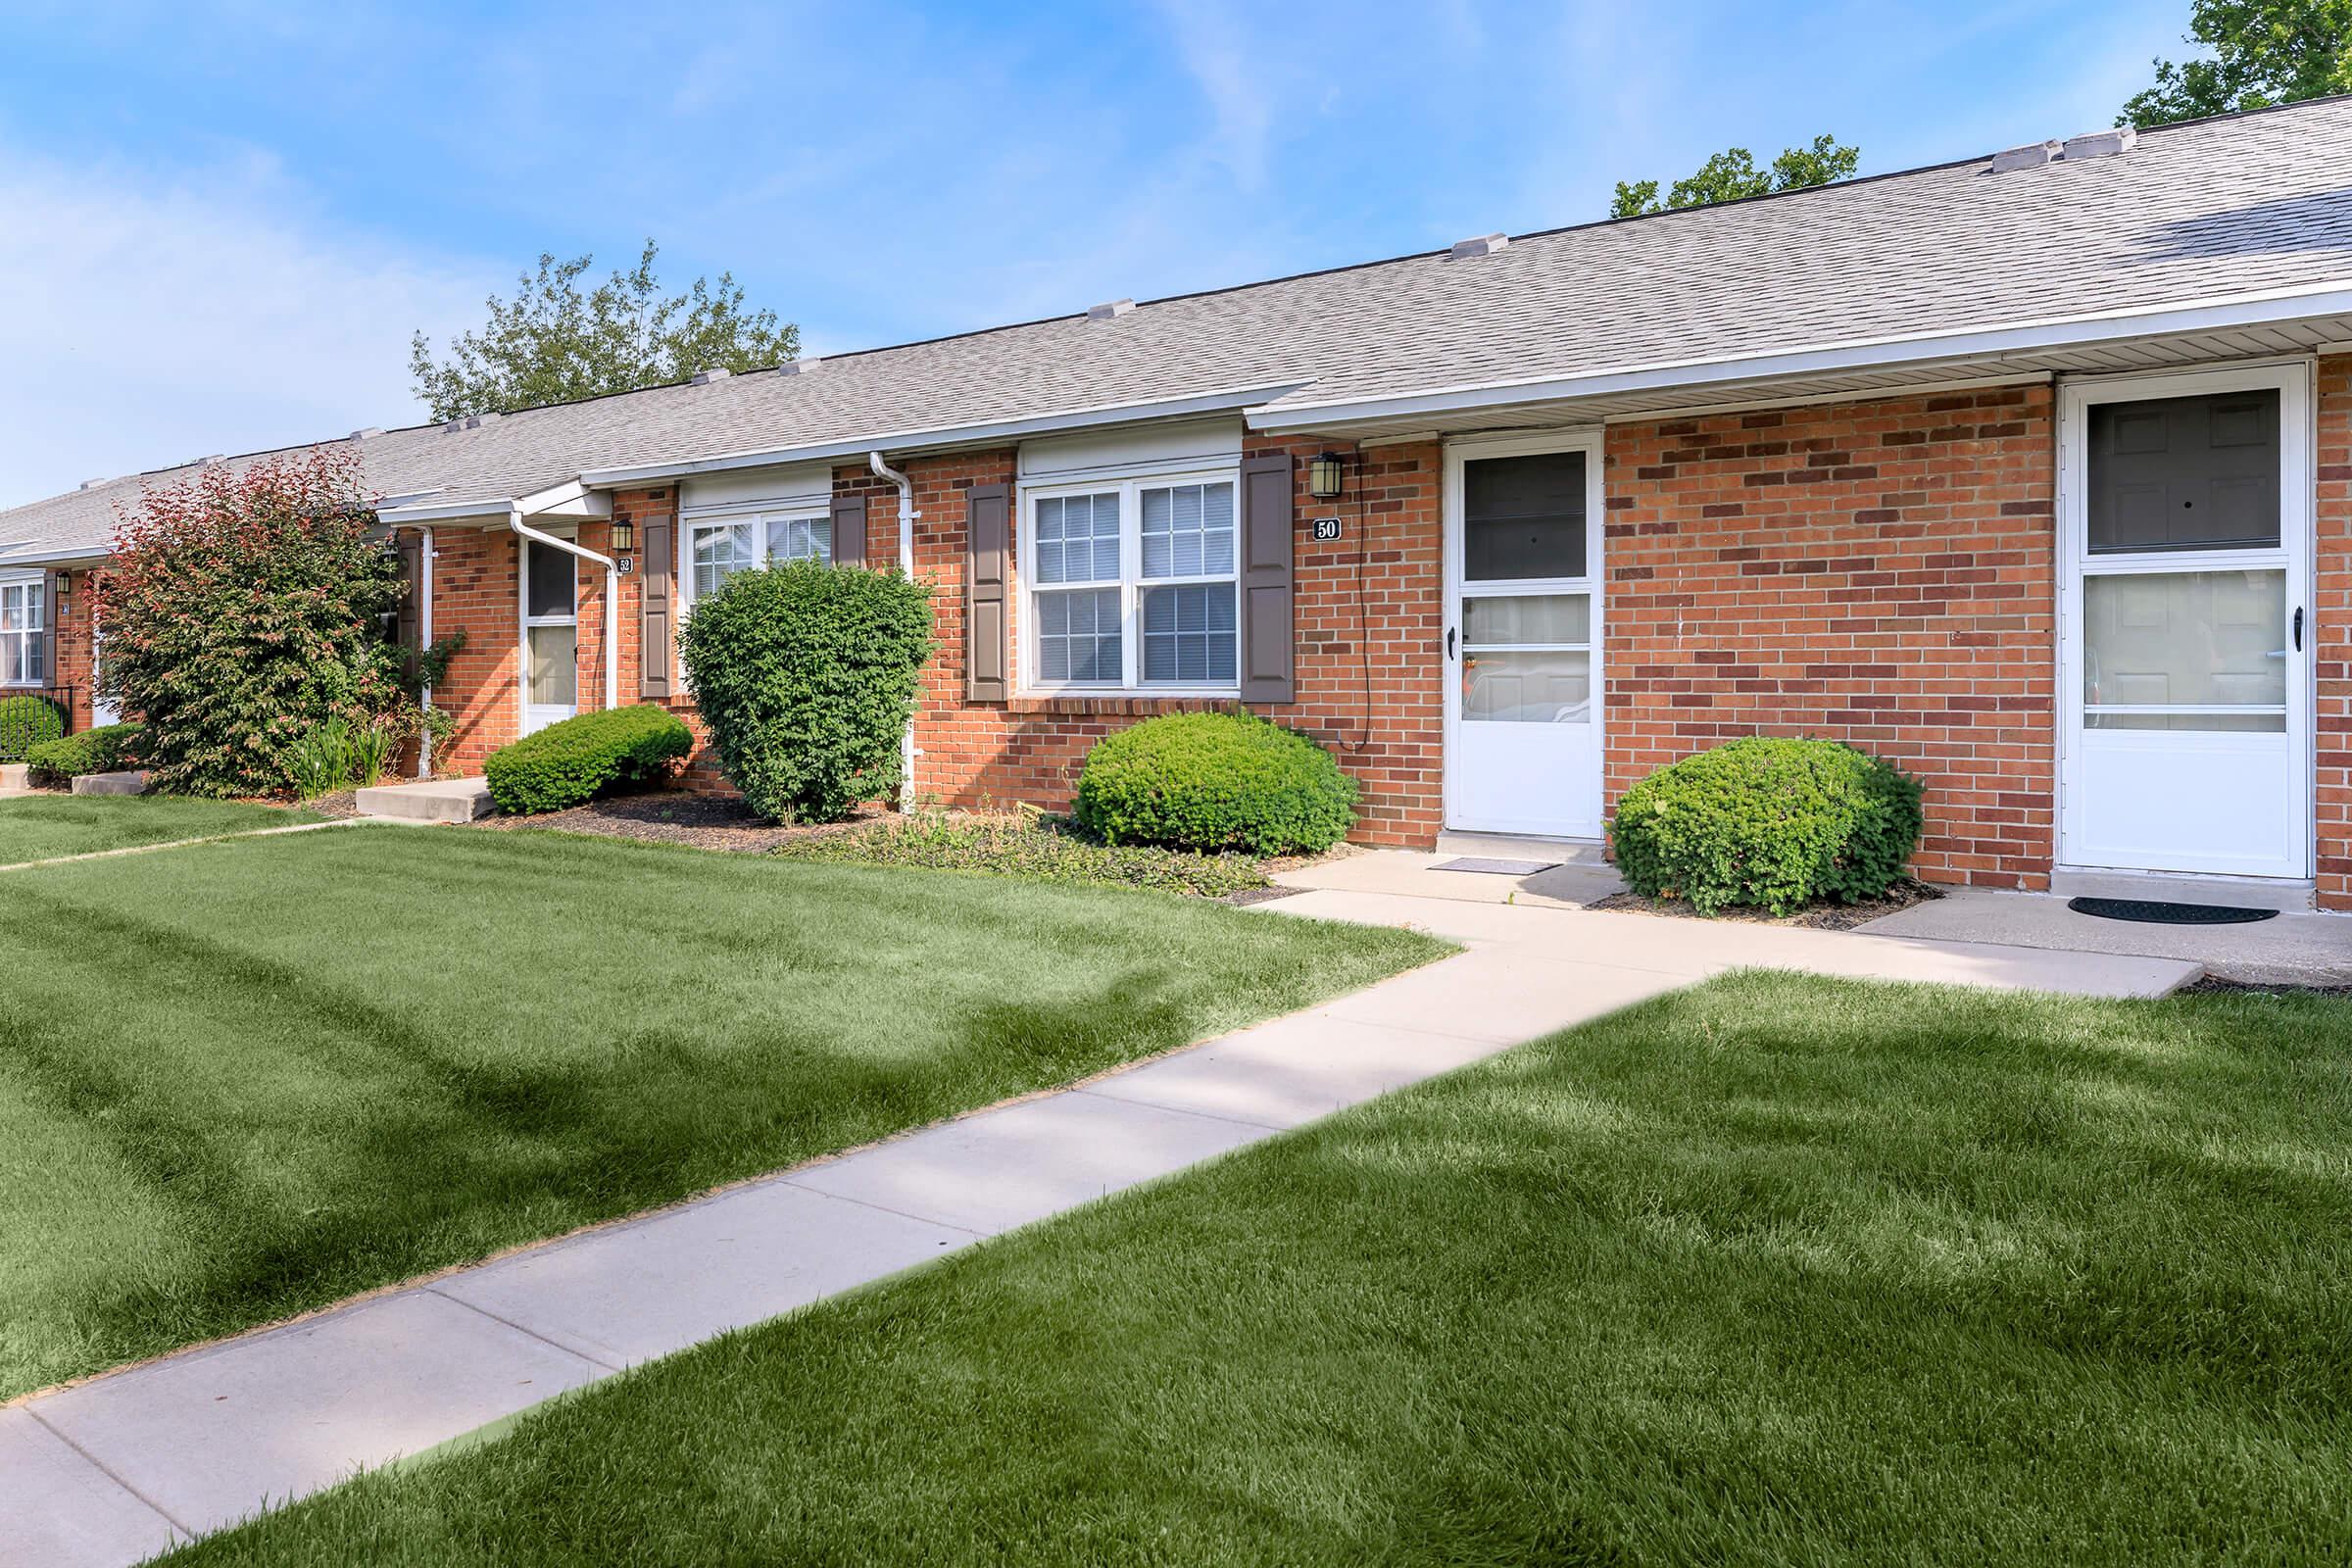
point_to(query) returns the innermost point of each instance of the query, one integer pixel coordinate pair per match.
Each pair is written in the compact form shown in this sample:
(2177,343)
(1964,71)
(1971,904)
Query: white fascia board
(2023,337)
(570,499)
(1236,399)
(485,512)
(63,556)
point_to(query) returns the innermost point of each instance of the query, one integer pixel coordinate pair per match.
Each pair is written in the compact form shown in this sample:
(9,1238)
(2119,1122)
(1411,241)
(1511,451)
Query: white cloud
(1217,52)
(150,319)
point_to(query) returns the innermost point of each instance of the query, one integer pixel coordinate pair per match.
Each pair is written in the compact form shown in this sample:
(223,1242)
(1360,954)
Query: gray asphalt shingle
(2234,206)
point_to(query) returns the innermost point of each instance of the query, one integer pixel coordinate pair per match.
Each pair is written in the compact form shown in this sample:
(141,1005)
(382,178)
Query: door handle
(2298,628)
(1450,640)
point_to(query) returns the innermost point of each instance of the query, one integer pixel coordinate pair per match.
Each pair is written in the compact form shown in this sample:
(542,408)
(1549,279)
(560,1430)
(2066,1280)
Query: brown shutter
(53,627)
(656,607)
(988,526)
(1269,664)
(407,621)
(848,530)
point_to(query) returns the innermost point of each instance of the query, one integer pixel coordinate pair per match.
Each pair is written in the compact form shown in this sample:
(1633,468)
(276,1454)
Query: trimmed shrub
(27,721)
(1780,823)
(806,675)
(108,749)
(1214,781)
(245,609)
(580,758)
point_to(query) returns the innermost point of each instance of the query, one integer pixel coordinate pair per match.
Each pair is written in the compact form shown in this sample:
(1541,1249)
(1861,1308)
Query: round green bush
(25,721)
(1214,781)
(108,749)
(806,675)
(580,758)
(1779,824)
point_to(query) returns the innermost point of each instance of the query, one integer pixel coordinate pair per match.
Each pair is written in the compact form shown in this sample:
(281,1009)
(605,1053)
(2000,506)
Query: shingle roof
(2232,205)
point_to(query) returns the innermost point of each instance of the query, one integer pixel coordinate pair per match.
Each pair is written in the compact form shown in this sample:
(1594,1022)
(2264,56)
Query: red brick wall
(474,592)
(1880,574)
(2331,634)
(1367,630)
(69,646)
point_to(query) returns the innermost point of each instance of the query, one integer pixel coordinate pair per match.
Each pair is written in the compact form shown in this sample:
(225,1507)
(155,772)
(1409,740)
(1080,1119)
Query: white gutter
(424,641)
(611,597)
(1228,400)
(907,515)
(2219,314)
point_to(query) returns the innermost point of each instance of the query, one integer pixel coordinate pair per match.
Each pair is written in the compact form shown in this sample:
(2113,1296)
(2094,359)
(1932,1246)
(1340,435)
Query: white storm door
(2185,670)
(550,636)
(1523,636)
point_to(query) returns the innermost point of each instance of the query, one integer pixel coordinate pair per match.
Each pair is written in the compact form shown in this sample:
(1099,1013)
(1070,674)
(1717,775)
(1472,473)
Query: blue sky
(220,225)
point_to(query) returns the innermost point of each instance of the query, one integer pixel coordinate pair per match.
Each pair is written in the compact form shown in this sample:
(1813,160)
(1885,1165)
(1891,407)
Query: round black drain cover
(2149,911)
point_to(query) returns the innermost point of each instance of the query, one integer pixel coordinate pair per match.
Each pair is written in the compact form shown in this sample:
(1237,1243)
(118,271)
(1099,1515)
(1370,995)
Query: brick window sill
(1121,707)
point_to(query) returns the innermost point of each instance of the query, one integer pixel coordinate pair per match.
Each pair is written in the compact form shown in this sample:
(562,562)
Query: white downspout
(906,517)
(611,598)
(424,638)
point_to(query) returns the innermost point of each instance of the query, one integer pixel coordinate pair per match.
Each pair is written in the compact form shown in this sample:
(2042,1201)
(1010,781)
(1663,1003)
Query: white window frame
(760,520)
(41,633)
(1131,583)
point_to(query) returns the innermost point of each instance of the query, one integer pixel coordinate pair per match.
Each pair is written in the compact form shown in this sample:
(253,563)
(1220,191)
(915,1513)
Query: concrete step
(129,783)
(1521,847)
(16,775)
(440,800)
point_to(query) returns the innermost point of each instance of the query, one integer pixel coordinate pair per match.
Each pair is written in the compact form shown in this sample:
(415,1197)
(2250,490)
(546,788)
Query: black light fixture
(1323,476)
(625,535)
(65,595)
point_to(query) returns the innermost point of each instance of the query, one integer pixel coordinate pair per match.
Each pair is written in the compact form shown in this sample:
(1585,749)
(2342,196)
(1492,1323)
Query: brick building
(2031,473)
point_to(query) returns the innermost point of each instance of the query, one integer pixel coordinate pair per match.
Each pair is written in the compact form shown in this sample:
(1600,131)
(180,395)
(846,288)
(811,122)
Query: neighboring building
(2033,474)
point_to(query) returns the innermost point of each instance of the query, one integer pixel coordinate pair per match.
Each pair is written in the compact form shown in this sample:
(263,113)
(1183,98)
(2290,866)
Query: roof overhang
(1230,400)
(2053,344)
(30,553)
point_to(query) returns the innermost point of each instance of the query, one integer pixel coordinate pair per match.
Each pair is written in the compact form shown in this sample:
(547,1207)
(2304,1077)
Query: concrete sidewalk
(122,1466)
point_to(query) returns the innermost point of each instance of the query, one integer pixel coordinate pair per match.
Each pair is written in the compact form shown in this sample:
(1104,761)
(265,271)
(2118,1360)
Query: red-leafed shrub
(245,609)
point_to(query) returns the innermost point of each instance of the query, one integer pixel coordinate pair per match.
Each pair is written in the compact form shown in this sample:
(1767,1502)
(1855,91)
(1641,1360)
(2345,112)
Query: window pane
(2257,724)
(1527,688)
(11,659)
(2205,638)
(1523,517)
(1539,618)
(800,539)
(12,606)
(1189,635)
(1187,531)
(718,554)
(1078,538)
(554,673)
(547,590)
(1078,636)
(2184,473)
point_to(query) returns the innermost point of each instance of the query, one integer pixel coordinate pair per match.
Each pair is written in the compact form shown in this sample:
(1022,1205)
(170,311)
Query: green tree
(1732,174)
(2262,52)
(551,343)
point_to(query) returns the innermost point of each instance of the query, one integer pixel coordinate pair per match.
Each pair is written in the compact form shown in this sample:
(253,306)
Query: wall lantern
(625,535)
(65,596)
(1323,476)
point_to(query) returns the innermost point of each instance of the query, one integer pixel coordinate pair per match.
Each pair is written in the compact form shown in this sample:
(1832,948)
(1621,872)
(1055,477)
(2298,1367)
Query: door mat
(2148,911)
(1496,867)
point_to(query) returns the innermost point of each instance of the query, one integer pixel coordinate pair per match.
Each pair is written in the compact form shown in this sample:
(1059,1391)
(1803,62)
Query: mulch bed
(1825,917)
(676,816)
(2215,985)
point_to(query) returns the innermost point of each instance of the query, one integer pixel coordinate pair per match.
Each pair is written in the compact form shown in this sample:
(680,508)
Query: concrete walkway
(119,1467)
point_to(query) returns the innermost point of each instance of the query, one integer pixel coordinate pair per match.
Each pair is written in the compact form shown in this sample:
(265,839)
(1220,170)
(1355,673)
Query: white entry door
(550,636)
(2184,607)
(1523,636)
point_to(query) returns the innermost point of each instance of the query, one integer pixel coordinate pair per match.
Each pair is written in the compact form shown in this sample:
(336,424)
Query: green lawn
(42,828)
(247,1078)
(1774,1271)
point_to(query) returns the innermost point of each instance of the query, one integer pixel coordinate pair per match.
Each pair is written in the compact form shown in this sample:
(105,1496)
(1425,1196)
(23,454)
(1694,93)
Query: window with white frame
(23,632)
(1131,585)
(717,548)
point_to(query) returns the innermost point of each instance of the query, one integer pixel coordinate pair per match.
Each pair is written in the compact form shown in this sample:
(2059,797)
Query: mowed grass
(1774,1271)
(247,1078)
(42,828)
